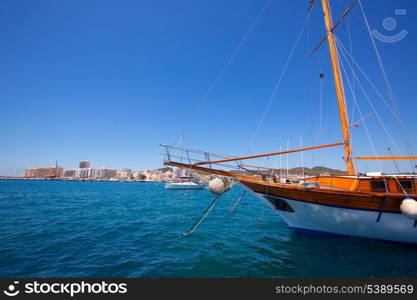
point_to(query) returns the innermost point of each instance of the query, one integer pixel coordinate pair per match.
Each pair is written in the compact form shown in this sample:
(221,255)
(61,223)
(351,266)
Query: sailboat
(371,205)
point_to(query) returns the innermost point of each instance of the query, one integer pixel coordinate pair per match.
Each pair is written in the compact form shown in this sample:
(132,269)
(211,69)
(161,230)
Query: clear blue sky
(108,81)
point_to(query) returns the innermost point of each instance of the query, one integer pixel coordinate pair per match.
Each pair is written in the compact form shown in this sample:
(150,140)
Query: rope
(203,216)
(401,187)
(279,79)
(233,210)
(396,178)
(253,228)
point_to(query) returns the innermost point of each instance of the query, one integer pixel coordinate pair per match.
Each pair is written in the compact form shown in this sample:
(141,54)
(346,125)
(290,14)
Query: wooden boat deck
(381,193)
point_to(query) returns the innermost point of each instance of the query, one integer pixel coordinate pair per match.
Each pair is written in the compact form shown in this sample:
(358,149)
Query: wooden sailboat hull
(363,213)
(331,197)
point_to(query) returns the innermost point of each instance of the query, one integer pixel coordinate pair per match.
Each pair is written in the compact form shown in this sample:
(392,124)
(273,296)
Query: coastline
(81,179)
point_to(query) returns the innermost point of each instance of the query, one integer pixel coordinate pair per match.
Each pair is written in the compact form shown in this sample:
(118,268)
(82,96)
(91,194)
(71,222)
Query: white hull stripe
(343,221)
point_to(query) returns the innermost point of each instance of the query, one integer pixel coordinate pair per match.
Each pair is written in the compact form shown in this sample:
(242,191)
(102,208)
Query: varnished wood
(331,197)
(344,183)
(385,157)
(339,88)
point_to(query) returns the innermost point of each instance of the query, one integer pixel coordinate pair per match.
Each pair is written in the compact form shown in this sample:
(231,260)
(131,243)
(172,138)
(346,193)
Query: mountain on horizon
(321,169)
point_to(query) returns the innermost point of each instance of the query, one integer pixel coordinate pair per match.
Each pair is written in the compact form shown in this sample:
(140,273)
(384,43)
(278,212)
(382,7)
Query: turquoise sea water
(120,229)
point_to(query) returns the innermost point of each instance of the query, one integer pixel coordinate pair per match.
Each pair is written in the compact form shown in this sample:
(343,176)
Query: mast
(339,88)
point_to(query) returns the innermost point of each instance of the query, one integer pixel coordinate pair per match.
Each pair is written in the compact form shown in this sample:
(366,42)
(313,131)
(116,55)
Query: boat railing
(265,174)
(190,161)
(194,151)
(192,156)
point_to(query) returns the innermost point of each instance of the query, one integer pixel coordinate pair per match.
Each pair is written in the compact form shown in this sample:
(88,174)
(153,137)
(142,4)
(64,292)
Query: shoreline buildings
(86,172)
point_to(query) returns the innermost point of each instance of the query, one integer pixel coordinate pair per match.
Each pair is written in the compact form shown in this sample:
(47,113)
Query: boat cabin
(378,184)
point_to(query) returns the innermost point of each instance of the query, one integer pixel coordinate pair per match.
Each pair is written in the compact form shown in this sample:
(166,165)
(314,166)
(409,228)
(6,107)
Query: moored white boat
(185,183)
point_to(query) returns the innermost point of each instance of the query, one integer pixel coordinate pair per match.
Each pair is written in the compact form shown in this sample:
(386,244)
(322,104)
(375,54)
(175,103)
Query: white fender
(408,208)
(217,186)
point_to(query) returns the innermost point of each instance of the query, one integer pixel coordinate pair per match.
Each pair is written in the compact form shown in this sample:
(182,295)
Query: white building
(83,173)
(103,173)
(123,174)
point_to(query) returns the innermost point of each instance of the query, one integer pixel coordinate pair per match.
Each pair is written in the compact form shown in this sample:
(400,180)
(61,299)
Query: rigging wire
(393,161)
(280,79)
(203,216)
(354,124)
(278,157)
(352,116)
(369,81)
(233,210)
(321,96)
(396,178)
(229,61)
(372,106)
(311,103)
(381,65)
(239,46)
(368,99)
(352,12)
(387,83)
(360,113)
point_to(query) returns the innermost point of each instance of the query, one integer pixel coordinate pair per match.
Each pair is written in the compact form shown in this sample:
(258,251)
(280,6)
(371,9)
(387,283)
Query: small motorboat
(185,183)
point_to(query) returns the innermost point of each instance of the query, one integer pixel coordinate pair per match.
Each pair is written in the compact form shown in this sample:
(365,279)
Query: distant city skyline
(109,81)
(86,172)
